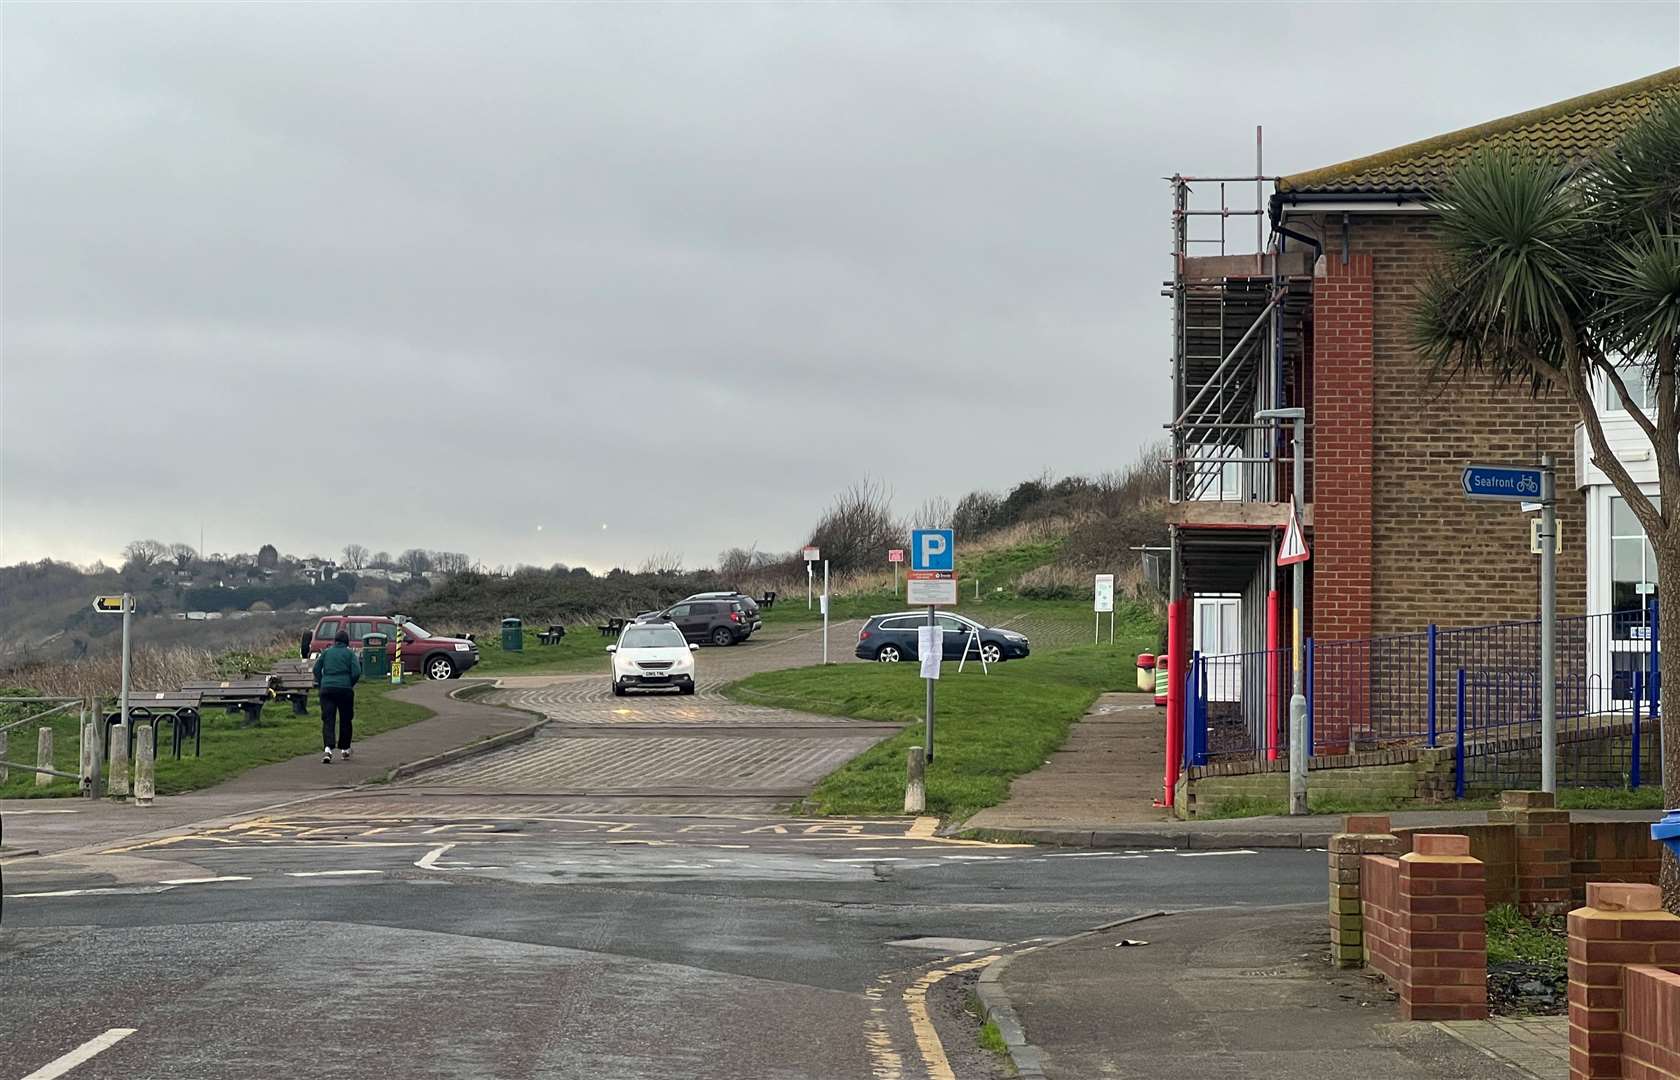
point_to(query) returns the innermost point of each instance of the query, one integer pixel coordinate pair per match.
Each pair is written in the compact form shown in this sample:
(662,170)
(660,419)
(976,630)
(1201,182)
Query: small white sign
(1645,588)
(1294,548)
(812,554)
(1105,592)
(1534,536)
(927,587)
(824,599)
(930,646)
(895,554)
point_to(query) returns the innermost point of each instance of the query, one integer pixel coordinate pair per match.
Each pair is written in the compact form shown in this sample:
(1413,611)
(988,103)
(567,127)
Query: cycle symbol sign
(1513,483)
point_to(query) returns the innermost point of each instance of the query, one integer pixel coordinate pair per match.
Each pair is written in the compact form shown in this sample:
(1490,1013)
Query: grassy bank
(229,747)
(1644,798)
(989,728)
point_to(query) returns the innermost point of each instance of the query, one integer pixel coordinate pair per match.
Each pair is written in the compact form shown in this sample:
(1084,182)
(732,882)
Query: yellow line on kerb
(927,1039)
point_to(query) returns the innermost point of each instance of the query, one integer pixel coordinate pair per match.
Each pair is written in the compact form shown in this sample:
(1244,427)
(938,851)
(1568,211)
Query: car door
(682,615)
(702,617)
(359,629)
(955,634)
(324,635)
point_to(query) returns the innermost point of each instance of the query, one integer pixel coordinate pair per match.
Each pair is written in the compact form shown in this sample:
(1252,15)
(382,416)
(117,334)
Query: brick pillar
(1361,835)
(1621,925)
(1542,850)
(1443,905)
(1342,414)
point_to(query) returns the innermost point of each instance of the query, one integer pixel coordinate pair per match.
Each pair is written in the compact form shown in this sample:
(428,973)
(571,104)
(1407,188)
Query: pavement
(1217,993)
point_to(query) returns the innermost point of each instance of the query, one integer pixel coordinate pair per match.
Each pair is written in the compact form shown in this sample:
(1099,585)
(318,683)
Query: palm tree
(1565,279)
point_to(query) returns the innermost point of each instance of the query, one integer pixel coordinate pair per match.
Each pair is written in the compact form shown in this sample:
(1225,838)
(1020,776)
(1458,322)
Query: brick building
(1319,319)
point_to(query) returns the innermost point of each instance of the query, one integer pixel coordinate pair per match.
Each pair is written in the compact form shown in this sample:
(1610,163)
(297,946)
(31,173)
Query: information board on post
(1105,592)
(932,577)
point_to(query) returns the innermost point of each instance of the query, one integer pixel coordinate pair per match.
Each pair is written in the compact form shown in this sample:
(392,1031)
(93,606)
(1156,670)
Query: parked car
(749,607)
(891,638)
(720,622)
(423,652)
(652,654)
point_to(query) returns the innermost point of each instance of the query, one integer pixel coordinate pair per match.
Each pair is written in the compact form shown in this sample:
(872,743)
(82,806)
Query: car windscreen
(415,631)
(651,637)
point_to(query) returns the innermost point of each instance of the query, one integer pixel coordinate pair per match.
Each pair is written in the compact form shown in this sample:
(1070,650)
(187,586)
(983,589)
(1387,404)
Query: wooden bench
(178,707)
(294,686)
(767,601)
(613,627)
(238,695)
(552,635)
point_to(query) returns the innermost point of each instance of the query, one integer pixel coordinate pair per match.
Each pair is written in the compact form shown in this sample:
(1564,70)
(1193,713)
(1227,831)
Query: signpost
(1104,602)
(1299,751)
(114,605)
(811,557)
(895,556)
(1527,485)
(932,580)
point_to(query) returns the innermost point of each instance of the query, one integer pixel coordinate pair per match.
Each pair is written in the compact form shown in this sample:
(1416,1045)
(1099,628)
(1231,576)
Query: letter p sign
(932,549)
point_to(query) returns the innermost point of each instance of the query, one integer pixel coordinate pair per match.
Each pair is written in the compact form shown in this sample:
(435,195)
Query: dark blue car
(891,638)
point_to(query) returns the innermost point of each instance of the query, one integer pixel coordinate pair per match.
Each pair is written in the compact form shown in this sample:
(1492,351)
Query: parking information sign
(1105,592)
(932,578)
(812,554)
(895,554)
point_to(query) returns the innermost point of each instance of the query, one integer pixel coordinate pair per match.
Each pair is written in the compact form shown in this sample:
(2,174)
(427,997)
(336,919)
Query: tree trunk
(1668,572)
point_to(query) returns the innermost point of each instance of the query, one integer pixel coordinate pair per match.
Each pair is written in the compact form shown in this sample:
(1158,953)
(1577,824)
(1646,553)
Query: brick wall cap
(1616,896)
(1367,824)
(1537,800)
(1465,860)
(1440,844)
(1624,916)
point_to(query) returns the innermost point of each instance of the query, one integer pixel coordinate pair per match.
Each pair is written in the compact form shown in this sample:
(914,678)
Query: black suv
(749,608)
(891,638)
(721,622)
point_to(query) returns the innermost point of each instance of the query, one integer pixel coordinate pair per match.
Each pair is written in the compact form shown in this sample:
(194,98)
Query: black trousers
(340,706)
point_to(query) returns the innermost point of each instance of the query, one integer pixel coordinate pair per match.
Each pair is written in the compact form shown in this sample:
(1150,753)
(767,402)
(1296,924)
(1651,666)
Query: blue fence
(1477,687)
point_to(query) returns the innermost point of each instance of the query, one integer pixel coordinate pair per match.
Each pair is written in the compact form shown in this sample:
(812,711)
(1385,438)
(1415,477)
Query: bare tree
(858,528)
(182,555)
(141,555)
(416,561)
(268,557)
(934,513)
(355,556)
(666,562)
(450,562)
(382,560)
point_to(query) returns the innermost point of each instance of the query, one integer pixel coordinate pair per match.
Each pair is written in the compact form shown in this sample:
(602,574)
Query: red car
(423,652)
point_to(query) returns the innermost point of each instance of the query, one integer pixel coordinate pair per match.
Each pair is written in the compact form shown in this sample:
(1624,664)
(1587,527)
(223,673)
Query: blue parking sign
(932,549)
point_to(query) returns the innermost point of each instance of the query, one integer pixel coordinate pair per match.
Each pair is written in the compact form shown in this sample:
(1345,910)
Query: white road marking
(1093,855)
(97,1045)
(21,813)
(203,880)
(1198,854)
(887,858)
(330,873)
(429,860)
(975,858)
(131,890)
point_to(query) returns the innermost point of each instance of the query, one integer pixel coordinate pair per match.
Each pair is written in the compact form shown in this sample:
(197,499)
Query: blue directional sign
(932,549)
(1515,483)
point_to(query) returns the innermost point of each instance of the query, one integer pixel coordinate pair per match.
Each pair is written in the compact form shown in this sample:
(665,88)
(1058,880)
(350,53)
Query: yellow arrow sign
(110,604)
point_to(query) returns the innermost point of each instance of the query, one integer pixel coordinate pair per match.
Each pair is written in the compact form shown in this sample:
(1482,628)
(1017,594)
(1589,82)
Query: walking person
(337,671)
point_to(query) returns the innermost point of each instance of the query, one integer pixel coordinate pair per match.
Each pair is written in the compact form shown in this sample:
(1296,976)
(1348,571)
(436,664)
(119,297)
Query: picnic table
(613,627)
(178,707)
(768,600)
(552,635)
(238,695)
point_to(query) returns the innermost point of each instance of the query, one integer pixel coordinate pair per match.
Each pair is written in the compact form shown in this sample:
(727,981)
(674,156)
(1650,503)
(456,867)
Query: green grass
(1511,938)
(992,1039)
(229,747)
(1648,797)
(989,729)
(582,649)
(1004,565)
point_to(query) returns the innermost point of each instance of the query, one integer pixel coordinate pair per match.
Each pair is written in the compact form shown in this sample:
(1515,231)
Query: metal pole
(825,611)
(1298,695)
(929,737)
(122,705)
(809,575)
(1548,623)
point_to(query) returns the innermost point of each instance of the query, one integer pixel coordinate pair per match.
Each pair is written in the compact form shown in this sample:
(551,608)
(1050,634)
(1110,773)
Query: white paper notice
(930,645)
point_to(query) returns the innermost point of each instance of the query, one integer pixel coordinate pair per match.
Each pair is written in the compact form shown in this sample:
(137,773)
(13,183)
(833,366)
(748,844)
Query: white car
(652,654)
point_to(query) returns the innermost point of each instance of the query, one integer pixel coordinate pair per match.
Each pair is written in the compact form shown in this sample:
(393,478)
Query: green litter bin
(513,635)
(376,662)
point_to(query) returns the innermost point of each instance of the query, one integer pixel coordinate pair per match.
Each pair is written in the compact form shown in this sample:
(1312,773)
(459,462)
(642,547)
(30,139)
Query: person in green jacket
(337,671)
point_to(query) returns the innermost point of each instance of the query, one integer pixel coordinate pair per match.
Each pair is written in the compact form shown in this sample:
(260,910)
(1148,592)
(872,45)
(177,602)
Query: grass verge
(583,649)
(992,1039)
(1513,939)
(989,729)
(229,747)
(1244,806)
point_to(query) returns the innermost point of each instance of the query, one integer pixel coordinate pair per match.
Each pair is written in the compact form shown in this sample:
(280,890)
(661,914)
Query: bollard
(85,746)
(915,791)
(43,756)
(119,761)
(143,760)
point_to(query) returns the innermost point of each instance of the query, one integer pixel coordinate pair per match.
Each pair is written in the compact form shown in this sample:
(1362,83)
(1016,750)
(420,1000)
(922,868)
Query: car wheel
(440,668)
(687,688)
(888,654)
(723,636)
(991,653)
(618,688)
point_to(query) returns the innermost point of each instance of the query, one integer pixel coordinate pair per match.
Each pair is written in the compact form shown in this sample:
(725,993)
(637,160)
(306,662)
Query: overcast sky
(585,283)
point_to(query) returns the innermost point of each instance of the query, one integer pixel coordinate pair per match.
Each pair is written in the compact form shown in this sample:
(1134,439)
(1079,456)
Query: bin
(1667,832)
(1146,671)
(1162,668)
(376,661)
(513,635)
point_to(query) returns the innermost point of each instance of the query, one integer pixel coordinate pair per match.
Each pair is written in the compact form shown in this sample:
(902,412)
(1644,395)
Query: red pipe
(1274,642)
(1178,652)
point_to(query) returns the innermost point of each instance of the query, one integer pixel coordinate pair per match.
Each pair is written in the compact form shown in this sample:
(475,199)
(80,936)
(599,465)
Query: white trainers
(344,755)
(326,756)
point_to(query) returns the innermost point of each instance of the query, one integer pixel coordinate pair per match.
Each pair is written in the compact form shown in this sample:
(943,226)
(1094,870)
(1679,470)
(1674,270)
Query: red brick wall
(1341,448)
(1611,851)
(1621,927)
(1651,1024)
(1425,930)
(1379,895)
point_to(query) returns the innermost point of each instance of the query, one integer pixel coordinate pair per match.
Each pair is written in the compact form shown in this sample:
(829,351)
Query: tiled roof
(1569,131)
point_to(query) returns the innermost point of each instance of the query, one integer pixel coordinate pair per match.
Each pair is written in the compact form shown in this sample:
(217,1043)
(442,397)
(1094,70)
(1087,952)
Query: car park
(423,652)
(652,655)
(717,622)
(891,638)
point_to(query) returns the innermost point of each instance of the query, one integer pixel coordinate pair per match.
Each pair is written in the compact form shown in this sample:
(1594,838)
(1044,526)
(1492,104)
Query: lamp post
(1298,748)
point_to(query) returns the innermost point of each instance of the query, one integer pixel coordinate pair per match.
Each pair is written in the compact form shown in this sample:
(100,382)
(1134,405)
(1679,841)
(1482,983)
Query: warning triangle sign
(1294,547)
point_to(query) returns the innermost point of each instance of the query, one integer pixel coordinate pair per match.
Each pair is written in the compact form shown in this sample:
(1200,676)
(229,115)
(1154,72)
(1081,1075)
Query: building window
(1642,393)
(1633,566)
